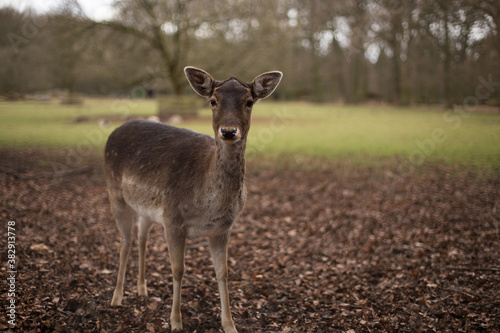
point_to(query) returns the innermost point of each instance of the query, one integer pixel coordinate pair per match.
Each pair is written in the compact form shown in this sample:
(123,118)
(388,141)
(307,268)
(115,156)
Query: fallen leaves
(344,249)
(39,247)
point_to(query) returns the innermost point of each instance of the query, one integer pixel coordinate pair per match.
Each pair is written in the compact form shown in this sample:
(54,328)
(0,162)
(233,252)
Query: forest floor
(325,248)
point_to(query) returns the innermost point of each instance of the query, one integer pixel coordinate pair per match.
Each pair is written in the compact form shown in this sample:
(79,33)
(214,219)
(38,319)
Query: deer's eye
(213,103)
(249,104)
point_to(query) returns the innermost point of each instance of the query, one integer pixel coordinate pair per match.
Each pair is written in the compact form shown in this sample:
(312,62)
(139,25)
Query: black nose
(228,132)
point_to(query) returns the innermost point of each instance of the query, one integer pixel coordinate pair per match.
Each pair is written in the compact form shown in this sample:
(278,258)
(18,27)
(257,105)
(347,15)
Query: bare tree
(410,51)
(167,26)
(490,10)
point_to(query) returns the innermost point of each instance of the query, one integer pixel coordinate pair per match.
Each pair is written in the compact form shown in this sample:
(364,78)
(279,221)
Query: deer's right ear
(201,82)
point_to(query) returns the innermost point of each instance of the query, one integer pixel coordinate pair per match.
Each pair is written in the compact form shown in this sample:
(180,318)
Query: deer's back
(156,156)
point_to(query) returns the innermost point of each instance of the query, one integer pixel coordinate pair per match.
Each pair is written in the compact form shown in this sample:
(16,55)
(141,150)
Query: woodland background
(402,52)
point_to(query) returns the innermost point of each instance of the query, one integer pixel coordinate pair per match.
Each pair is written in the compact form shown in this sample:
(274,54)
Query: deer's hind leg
(144,227)
(125,217)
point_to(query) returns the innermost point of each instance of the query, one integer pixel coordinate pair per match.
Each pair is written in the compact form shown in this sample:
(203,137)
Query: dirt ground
(324,248)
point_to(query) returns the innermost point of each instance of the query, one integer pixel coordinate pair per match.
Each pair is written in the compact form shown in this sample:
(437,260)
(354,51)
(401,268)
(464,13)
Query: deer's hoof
(176,322)
(229,327)
(176,327)
(142,290)
(117,298)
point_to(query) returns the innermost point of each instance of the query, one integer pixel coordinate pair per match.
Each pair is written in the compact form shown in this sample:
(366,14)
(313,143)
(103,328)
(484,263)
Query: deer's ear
(264,84)
(200,81)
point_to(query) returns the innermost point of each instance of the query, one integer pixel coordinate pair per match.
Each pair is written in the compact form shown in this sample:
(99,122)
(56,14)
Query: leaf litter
(334,248)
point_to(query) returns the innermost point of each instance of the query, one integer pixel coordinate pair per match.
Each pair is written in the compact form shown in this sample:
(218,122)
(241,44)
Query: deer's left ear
(200,81)
(264,84)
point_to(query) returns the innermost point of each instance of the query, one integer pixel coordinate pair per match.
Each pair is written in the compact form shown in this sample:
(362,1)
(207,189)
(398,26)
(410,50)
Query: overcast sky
(97,9)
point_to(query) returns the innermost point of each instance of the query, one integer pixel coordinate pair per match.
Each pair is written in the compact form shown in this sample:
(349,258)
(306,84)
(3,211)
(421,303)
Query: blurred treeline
(402,52)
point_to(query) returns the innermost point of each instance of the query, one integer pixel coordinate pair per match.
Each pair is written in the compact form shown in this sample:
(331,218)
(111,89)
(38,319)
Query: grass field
(362,134)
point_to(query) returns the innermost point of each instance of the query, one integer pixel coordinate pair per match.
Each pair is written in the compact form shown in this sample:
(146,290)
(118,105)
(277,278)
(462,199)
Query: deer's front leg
(176,243)
(218,248)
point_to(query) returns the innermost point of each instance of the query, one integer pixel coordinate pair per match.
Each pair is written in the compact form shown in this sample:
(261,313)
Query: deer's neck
(228,168)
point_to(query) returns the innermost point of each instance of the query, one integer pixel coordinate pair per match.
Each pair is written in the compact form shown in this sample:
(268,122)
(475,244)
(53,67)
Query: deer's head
(231,100)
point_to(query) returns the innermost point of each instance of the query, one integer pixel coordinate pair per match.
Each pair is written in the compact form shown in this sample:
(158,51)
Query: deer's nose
(228,132)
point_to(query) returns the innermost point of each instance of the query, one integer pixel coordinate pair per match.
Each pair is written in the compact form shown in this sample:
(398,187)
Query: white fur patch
(154,214)
(138,196)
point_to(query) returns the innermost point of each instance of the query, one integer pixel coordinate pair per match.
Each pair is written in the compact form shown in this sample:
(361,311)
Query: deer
(190,183)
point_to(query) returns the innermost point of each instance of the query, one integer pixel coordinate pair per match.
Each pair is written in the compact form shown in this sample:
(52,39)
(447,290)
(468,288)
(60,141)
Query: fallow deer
(188,182)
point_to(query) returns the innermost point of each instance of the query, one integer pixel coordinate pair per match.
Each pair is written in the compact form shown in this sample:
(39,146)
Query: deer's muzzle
(230,133)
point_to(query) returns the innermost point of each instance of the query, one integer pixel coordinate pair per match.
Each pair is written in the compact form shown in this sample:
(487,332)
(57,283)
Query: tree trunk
(497,92)
(177,80)
(316,84)
(447,64)
(396,72)
(395,44)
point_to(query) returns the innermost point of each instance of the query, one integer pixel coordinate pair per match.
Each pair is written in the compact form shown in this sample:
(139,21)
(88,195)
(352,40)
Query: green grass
(52,125)
(363,134)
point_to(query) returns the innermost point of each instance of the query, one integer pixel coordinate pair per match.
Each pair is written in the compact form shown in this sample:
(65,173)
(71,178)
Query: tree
(490,10)
(392,20)
(167,26)
(67,47)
